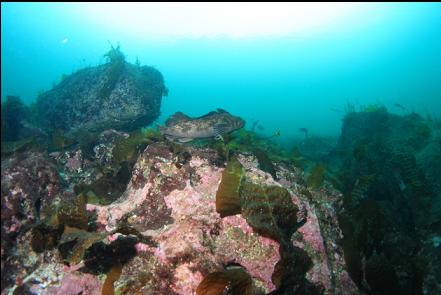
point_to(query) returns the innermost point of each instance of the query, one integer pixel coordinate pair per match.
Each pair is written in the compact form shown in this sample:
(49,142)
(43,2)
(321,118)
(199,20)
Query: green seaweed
(74,213)
(372,108)
(360,151)
(115,55)
(128,149)
(265,163)
(316,176)
(60,141)
(86,140)
(11,147)
(152,134)
(108,187)
(228,194)
(116,65)
(296,158)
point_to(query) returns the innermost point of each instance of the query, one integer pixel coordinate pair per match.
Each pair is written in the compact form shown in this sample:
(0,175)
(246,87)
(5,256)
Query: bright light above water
(235,20)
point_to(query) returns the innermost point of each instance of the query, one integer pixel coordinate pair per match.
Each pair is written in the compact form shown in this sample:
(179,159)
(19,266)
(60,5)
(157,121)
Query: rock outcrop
(115,95)
(165,236)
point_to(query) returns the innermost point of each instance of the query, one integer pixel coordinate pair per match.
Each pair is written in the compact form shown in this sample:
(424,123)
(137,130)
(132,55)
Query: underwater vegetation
(316,176)
(60,141)
(236,280)
(388,201)
(228,200)
(12,114)
(115,67)
(90,189)
(270,211)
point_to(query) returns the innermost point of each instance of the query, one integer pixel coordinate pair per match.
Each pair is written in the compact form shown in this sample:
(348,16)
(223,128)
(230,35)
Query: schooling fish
(183,128)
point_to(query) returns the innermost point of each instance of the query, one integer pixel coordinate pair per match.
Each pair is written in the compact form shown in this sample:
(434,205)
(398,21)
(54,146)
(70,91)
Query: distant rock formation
(392,207)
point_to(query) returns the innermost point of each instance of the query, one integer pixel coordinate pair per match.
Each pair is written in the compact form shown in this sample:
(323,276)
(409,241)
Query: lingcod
(182,128)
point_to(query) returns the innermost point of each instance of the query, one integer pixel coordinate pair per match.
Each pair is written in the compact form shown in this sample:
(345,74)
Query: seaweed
(234,281)
(265,163)
(11,147)
(60,141)
(128,149)
(269,210)
(101,257)
(289,272)
(116,65)
(381,275)
(74,213)
(296,158)
(316,176)
(45,235)
(111,277)
(152,135)
(115,55)
(86,140)
(74,242)
(13,112)
(228,194)
(108,187)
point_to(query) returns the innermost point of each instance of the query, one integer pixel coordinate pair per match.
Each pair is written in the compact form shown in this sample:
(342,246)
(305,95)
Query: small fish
(182,128)
(65,40)
(400,106)
(260,127)
(275,134)
(254,125)
(304,130)
(232,265)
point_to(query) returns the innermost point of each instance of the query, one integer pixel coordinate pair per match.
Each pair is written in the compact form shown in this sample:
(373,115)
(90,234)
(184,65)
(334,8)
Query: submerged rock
(30,185)
(176,208)
(115,95)
(163,234)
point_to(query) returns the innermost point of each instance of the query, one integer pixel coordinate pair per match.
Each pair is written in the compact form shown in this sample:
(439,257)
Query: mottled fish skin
(183,128)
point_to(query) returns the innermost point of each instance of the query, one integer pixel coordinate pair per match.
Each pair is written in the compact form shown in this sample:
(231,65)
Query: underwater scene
(221,148)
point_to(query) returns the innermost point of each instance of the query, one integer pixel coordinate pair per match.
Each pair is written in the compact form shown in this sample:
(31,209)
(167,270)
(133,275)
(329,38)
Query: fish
(182,128)
(304,130)
(400,106)
(275,134)
(254,125)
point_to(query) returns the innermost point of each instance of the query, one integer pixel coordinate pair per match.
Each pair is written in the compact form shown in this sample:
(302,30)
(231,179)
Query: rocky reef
(93,204)
(163,233)
(390,177)
(116,95)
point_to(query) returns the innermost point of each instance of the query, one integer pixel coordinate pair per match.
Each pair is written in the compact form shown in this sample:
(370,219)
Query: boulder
(115,95)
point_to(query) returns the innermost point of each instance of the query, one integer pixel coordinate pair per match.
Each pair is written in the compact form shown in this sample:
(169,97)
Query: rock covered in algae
(114,95)
(387,160)
(167,217)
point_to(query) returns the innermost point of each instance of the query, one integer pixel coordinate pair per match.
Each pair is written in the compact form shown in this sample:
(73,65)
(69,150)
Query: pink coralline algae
(181,238)
(194,241)
(107,216)
(77,283)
